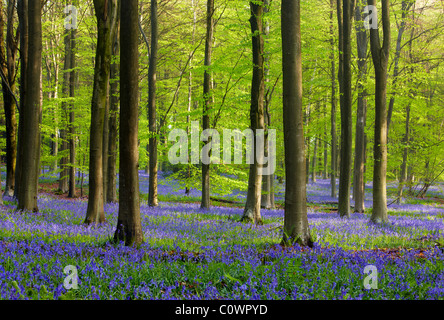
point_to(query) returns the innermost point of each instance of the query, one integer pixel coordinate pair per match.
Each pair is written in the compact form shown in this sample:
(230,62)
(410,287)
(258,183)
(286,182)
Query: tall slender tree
(30,140)
(346,108)
(407,137)
(267,200)
(405,140)
(296,227)
(205,201)
(359,164)
(252,211)
(314,160)
(22,10)
(333,105)
(64,145)
(8,61)
(105,143)
(152,70)
(129,228)
(190,89)
(380,56)
(113,119)
(106,13)
(72,116)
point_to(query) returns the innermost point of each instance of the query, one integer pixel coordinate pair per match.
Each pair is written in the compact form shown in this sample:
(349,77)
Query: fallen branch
(225,201)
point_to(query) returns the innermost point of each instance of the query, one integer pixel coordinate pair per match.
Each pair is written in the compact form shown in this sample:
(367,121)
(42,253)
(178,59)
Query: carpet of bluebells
(193,254)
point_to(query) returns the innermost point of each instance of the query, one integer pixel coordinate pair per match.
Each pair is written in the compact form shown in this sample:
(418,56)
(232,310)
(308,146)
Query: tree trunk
(380,57)
(27,197)
(346,110)
(190,93)
(106,12)
(205,201)
(358,176)
(252,210)
(3,67)
(333,106)
(403,175)
(296,227)
(152,193)
(325,173)
(55,135)
(129,227)
(9,102)
(22,10)
(105,143)
(307,123)
(315,158)
(113,117)
(72,130)
(63,180)
(267,200)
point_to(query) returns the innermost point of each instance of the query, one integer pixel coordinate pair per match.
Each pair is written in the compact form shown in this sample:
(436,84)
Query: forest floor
(193,254)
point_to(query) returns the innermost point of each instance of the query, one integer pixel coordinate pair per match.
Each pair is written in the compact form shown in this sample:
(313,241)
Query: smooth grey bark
(296,227)
(314,161)
(152,115)
(346,108)
(333,106)
(22,11)
(380,56)
(105,143)
(9,66)
(27,196)
(72,116)
(359,163)
(205,201)
(64,147)
(405,141)
(325,172)
(307,123)
(252,210)
(267,199)
(113,120)
(190,90)
(129,226)
(106,13)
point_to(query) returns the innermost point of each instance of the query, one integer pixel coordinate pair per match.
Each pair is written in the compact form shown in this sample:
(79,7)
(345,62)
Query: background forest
(196,62)
(414,83)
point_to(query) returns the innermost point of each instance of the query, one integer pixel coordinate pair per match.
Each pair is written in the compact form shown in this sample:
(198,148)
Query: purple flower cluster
(189,253)
(233,272)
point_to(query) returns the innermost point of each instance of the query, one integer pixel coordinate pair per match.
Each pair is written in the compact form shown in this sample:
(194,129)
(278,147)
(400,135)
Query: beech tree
(22,12)
(205,202)
(334,142)
(111,179)
(267,200)
(345,80)
(8,63)
(71,117)
(380,56)
(252,211)
(360,145)
(129,228)
(30,133)
(106,14)
(296,227)
(64,146)
(152,117)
